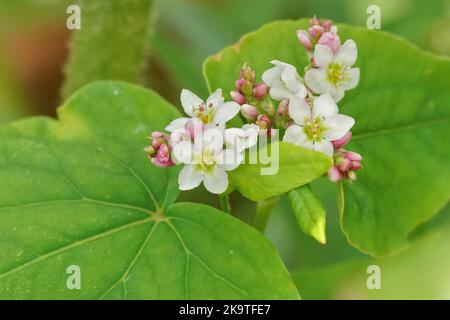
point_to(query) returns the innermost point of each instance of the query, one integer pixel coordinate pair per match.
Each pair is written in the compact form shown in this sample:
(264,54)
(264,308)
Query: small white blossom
(285,83)
(316,127)
(209,155)
(214,111)
(334,74)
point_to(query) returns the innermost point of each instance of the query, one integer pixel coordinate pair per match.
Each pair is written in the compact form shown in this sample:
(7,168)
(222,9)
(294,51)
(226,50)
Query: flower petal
(190,177)
(323,56)
(226,111)
(183,152)
(213,139)
(299,110)
(291,79)
(272,76)
(337,93)
(279,93)
(189,100)
(296,135)
(216,181)
(347,54)
(317,80)
(353,75)
(235,139)
(252,133)
(215,98)
(338,126)
(178,123)
(324,106)
(324,146)
(229,159)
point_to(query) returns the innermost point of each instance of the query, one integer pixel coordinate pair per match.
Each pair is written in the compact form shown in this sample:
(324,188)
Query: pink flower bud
(260,91)
(162,158)
(339,143)
(263,122)
(316,31)
(156,143)
(283,107)
(344,164)
(353,156)
(238,97)
(331,40)
(250,113)
(314,21)
(334,174)
(157,134)
(356,165)
(305,40)
(327,24)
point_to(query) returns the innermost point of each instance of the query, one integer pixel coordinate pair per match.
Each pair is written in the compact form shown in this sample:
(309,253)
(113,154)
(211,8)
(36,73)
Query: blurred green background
(34,48)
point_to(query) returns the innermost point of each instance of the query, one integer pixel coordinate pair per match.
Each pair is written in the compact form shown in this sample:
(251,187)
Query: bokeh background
(34,48)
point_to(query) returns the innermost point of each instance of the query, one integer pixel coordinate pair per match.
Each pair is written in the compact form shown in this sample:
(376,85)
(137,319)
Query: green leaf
(309,212)
(113,42)
(289,168)
(80,191)
(402,113)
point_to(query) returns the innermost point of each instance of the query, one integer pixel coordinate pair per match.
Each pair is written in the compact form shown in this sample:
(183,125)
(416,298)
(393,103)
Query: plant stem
(224,202)
(262,213)
(113,42)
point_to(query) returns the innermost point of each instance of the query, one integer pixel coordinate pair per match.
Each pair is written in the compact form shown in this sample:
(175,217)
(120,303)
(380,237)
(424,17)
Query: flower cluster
(305,109)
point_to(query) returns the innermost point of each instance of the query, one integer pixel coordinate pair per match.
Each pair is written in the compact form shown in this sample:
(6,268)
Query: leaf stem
(224,203)
(262,213)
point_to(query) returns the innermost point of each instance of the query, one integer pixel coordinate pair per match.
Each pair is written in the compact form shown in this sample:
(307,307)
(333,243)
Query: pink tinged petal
(334,174)
(347,54)
(176,124)
(339,143)
(324,146)
(183,152)
(190,177)
(331,40)
(353,76)
(338,126)
(299,110)
(296,135)
(194,127)
(215,99)
(305,40)
(352,156)
(225,112)
(216,181)
(189,101)
(325,107)
(317,80)
(323,56)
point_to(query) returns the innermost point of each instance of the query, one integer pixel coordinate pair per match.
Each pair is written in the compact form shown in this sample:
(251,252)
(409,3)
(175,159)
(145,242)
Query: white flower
(334,74)
(206,160)
(241,139)
(285,83)
(316,127)
(215,111)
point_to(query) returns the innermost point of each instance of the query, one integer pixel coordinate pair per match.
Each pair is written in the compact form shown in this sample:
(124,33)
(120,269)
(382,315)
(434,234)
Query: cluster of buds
(249,94)
(319,32)
(346,163)
(159,152)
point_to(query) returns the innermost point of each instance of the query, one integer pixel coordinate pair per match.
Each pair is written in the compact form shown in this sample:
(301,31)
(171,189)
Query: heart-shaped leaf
(79,194)
(402,113)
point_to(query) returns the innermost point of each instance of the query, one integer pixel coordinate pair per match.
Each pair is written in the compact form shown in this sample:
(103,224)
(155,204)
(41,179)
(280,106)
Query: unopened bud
(260,91)
(247,88)
(150,150)
(250,113)
(314,21)
(339,143)
(157,134)
(351,175)
(327,24)
(316,31)
(247,73)
(331,40)
(305,40)
(283,107)
(334,174)
(263,122)
(356,165)
(238,97)
(353,156)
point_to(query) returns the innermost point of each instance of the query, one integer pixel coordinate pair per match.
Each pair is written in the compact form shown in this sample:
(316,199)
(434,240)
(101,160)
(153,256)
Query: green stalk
(224,203)
(113,43)
(262,213)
